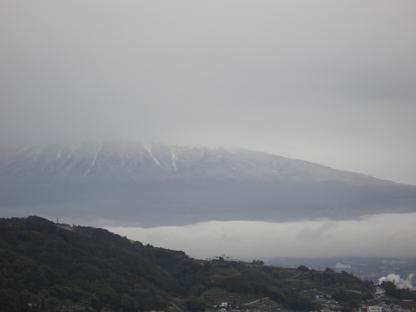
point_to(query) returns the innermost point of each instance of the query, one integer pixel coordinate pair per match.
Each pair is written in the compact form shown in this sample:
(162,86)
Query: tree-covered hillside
(46,266)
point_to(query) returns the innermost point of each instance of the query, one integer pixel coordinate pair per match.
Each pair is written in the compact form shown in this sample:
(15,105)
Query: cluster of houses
(383,307)
(327,305)
(260,305)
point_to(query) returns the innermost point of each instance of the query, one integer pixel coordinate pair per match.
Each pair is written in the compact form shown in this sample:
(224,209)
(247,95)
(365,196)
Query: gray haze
(332,82)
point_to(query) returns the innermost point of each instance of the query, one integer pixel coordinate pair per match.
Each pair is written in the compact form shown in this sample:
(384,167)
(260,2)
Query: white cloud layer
(388,235)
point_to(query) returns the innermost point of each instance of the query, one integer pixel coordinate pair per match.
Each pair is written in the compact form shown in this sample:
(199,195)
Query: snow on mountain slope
(162,184)
(158,161)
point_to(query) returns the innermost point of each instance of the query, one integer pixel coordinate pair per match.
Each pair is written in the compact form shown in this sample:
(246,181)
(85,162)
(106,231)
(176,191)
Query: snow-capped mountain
(129,161)
(162,184)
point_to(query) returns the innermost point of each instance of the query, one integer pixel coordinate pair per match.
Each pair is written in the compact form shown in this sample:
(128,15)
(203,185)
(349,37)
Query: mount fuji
(159,184)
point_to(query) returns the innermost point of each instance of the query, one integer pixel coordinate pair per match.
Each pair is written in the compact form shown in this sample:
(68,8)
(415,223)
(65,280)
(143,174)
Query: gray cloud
(387,235)
(318,80)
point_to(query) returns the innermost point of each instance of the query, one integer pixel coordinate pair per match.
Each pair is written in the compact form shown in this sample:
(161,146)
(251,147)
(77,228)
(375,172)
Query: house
(374,308)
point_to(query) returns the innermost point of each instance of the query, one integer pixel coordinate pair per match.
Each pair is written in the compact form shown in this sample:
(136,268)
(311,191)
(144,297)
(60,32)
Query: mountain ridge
(164,156)
(172,185)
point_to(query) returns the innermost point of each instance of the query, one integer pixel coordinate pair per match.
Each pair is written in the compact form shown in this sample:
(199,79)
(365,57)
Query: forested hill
(46,266)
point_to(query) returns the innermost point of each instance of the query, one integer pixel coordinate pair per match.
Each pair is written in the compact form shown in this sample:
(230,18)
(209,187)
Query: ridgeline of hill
(46,266)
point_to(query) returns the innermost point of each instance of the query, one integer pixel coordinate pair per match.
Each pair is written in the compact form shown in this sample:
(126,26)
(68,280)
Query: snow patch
(94,161)
(148,149)
(174,159)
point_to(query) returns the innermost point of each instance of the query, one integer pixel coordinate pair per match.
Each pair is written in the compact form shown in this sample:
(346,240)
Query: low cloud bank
(386,235)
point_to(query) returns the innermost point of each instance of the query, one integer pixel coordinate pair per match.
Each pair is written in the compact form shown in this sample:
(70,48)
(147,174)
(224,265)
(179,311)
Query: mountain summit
(155,184)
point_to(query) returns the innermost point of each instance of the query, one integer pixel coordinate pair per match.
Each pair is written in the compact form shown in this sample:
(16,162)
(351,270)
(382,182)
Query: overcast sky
(327,81)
